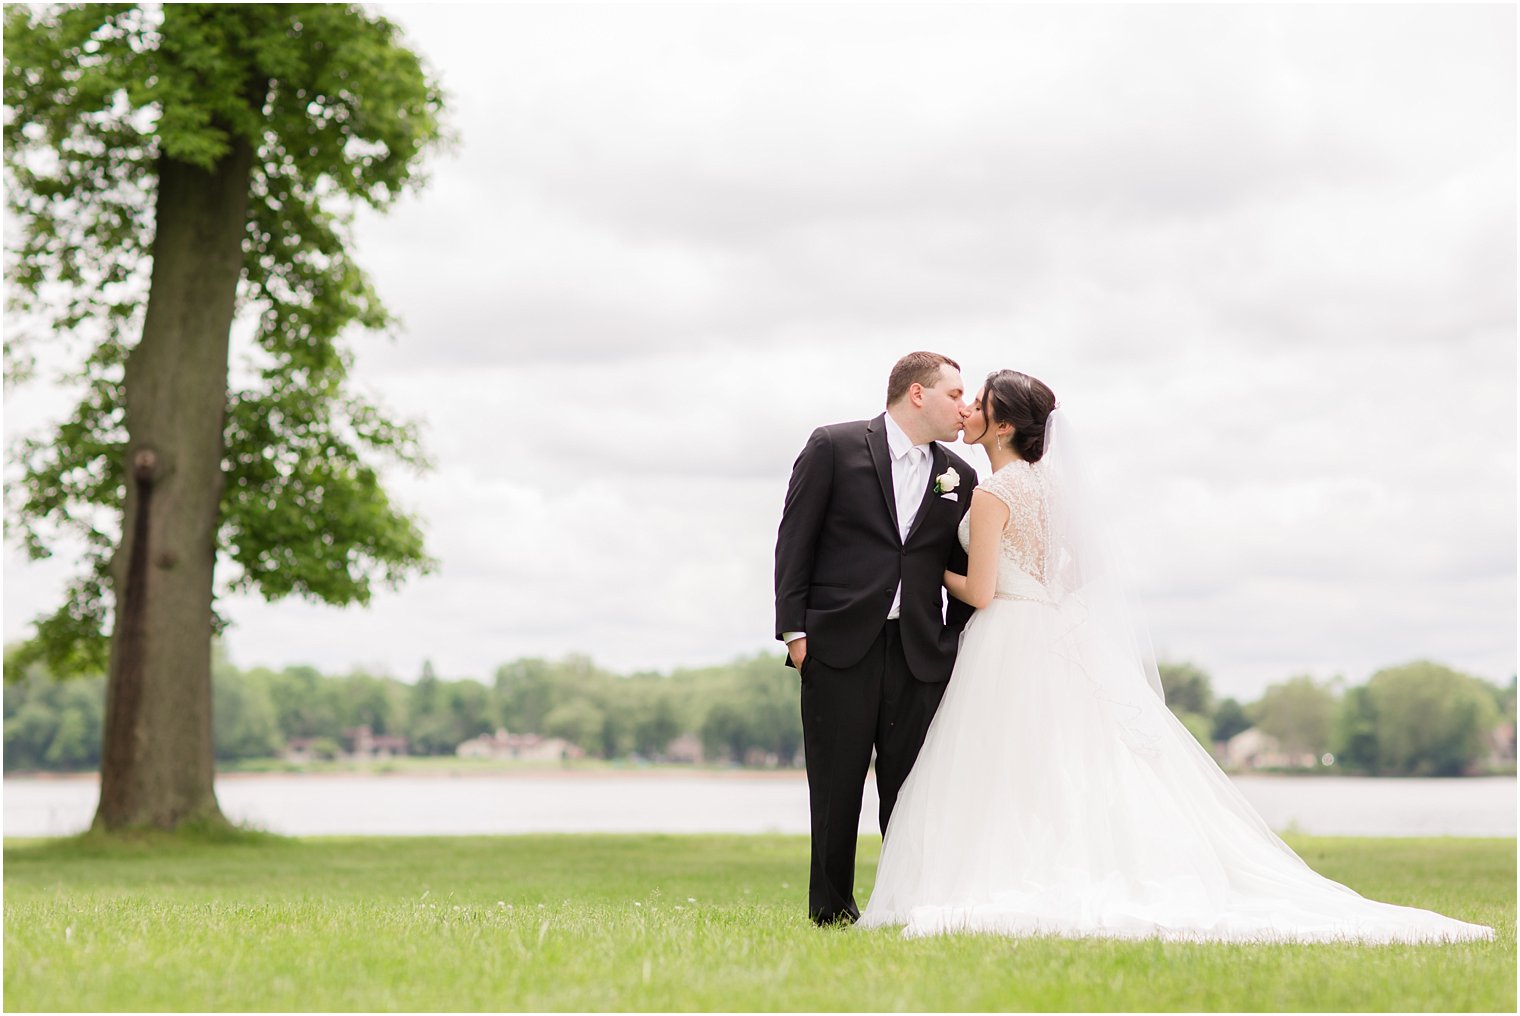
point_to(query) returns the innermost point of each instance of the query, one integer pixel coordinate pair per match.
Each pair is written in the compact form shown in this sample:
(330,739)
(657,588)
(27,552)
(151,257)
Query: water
(707,802)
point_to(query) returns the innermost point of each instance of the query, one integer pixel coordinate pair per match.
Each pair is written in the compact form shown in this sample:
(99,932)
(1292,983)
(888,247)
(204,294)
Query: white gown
(1042,804)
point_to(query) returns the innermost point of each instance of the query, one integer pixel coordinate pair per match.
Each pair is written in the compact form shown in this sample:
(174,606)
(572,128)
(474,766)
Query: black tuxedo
(866,683)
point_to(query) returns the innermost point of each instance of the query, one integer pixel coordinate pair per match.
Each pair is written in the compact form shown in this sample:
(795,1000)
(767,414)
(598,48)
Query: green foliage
(1188,688)
(1201,727)
(743,712)
(48,724)
(579,721)
(243,718)
(1300,713)
(1420,719)
(1356,729)
(442,714)
(750,708)
(662,924)
(1229,719)
(654,717)
(1504,698)
(364,700)
(525,694)
(339,113)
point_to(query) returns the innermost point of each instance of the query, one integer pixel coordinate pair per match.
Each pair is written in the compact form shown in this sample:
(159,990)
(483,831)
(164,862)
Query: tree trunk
(157,767)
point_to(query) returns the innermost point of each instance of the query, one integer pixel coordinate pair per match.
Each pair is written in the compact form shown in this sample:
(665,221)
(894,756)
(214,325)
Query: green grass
(235,921)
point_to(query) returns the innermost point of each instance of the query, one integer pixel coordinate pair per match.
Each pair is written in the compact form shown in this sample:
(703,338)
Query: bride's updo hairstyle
(1025,403)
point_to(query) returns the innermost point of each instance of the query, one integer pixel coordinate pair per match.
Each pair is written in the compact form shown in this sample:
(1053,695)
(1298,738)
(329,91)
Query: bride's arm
(988,517)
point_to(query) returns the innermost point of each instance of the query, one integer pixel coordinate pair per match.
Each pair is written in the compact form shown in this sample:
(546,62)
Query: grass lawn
(658,923)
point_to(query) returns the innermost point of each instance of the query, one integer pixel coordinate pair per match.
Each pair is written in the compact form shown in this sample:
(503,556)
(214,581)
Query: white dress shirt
(911,466)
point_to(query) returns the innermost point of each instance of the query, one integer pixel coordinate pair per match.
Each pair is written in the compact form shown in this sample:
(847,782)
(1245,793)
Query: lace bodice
(1022,552)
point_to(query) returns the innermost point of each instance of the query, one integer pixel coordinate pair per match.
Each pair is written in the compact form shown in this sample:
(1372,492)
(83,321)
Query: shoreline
(652,773)
(450,774)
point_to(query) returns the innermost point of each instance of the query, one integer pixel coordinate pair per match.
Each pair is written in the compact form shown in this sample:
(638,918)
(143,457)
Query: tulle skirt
(1034,809)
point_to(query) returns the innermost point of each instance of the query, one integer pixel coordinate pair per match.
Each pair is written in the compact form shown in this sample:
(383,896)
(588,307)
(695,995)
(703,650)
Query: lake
(701,802)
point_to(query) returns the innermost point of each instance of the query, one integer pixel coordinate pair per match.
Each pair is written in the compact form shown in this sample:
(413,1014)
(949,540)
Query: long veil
(1101,633)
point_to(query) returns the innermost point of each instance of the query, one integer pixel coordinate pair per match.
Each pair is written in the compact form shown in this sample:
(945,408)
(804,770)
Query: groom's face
(943,410)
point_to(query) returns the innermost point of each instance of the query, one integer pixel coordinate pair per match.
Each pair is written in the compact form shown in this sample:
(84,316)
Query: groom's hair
(915,368)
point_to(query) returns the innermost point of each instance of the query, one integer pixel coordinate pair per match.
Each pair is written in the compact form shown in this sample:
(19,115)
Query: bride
(1055,792)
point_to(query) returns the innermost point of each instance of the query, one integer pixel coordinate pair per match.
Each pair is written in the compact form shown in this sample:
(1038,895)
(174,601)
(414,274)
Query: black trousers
(845,713)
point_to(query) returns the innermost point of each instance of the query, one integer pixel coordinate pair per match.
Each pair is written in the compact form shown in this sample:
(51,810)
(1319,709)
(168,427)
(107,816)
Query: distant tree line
(1416,719)
(745,711)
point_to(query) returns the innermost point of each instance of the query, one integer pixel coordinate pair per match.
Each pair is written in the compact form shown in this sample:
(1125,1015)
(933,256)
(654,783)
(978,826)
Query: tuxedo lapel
(881,457)
(938,461)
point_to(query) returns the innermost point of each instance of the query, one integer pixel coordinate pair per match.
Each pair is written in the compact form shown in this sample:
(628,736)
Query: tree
(1229,719)
(1190,697)
(252,132)
(769,695)
(244,724)
(656,721)
(728,731)
(578,721)
(430,727)
(1356,740)
(468,710)
(50,724)
(364,700)
(1420,719)
(302,701)
(1188,688)
(1504,699)
(28,735)
(524,693)
(1200,727)
(1300,714)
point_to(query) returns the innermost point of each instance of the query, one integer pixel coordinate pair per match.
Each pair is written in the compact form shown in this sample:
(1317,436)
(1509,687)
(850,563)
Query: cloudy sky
(1265,256)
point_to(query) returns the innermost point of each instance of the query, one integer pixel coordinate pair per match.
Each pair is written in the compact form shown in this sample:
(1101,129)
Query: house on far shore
(1501,747)
(519,747)
(301,750)
(362,745)
(686,749)
(1252,749)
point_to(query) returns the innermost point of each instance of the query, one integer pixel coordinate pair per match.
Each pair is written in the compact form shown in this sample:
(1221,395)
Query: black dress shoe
(843,919)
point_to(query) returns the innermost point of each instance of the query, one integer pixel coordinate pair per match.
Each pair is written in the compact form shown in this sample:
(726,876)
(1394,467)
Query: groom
(868,530)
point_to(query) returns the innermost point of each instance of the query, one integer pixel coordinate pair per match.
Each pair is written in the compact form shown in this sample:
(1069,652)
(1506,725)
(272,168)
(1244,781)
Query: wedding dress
(1055,793)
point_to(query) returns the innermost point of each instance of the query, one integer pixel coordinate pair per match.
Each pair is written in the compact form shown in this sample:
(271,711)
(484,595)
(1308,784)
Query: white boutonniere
(947,481)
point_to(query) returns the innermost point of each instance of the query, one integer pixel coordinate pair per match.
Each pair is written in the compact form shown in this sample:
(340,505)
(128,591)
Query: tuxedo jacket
(839,557)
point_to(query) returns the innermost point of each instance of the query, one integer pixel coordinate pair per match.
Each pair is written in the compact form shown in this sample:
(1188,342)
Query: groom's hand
(798,650)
